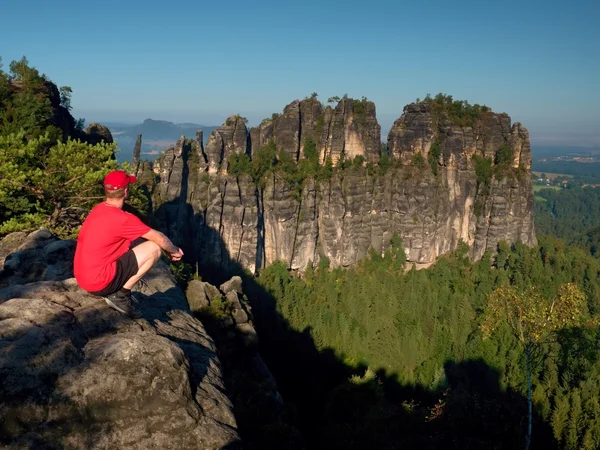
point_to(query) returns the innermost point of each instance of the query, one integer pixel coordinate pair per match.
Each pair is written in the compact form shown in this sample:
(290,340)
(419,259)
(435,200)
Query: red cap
(118,179)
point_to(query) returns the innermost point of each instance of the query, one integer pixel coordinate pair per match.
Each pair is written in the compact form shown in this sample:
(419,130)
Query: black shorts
(127,267)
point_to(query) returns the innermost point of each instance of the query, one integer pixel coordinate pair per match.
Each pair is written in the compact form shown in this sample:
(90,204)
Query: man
(105,263)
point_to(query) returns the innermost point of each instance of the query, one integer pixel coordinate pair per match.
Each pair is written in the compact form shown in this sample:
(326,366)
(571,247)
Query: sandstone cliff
(432,195)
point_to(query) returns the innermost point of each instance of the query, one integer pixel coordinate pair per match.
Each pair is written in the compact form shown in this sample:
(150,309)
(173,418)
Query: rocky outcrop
(231,138)
(432,203)
(59,110)
(344,132)
(419,128)
(96,133)
(260,410)
(76,374)
(38,256)
(137,150)
(350,130)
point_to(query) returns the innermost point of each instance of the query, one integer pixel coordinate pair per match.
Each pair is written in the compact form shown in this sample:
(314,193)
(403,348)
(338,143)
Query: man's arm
(165,243)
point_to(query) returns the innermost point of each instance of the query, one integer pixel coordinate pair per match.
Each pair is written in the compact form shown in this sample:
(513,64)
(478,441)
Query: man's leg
(146,255)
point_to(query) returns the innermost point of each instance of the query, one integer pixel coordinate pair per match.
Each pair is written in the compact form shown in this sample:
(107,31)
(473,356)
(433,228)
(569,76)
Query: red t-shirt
(105,235)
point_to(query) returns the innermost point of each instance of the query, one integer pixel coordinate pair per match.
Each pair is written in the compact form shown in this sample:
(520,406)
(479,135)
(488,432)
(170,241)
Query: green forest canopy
(412,325)
(567,213)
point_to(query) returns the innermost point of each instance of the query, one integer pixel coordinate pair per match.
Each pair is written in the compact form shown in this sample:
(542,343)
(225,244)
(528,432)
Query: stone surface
(10,243)
(346,131)
(96,133)
(240,316)
(262,416)
(40,256)
(248,335)
(239,313)
(76,374)
(418,128)
(235,285)
(286,130)
(231,137)
(196,295)
(137,150)
(350,130)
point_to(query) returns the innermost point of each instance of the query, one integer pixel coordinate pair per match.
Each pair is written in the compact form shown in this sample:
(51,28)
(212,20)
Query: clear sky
(197,61)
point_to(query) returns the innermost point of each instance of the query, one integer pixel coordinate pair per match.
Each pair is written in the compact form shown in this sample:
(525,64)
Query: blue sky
(539,61)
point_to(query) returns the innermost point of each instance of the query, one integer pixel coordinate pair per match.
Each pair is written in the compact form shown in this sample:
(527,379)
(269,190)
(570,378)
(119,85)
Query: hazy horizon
(564,139)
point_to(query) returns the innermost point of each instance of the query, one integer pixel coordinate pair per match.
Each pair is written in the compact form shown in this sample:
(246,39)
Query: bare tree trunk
(55,214)
(529,407)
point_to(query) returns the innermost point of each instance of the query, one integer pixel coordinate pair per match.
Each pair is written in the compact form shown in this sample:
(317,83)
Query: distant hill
(157,135)
(549,151)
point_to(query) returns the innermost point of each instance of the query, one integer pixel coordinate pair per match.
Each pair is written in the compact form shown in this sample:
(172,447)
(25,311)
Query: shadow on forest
(472,411)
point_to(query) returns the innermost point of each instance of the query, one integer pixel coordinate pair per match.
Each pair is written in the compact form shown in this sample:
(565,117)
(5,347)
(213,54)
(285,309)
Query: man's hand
(165,243)
(177,255)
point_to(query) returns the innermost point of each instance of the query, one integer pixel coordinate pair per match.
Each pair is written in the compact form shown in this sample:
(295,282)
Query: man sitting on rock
(105,263)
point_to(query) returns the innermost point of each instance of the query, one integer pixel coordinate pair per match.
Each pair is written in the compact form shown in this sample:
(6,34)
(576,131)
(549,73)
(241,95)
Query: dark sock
(124,291)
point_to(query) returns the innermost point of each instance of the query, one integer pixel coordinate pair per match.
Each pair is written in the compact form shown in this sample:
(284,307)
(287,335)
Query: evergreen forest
(567,213)
(401,360)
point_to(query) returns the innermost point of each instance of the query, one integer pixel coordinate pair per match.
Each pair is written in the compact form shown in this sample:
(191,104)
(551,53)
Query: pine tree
(37,182)
(574,424)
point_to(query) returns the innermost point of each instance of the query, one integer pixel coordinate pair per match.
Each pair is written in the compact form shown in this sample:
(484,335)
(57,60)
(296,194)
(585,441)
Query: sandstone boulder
(96,133)
(196,295)
(40,256)
(10,243)
(235,285)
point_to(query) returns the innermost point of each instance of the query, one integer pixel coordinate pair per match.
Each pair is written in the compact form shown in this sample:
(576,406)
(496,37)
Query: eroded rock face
(350,130)
(231,138)
(418,129)
(38,256)
(76,374)
(96,133)
(137,150)
(346,131)
(262,416)
(232,221)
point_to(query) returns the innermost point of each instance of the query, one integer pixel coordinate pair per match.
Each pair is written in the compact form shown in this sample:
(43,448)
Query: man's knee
(148,251)
(156,251)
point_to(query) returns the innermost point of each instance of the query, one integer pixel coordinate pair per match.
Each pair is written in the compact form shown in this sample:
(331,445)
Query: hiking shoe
(124,303)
